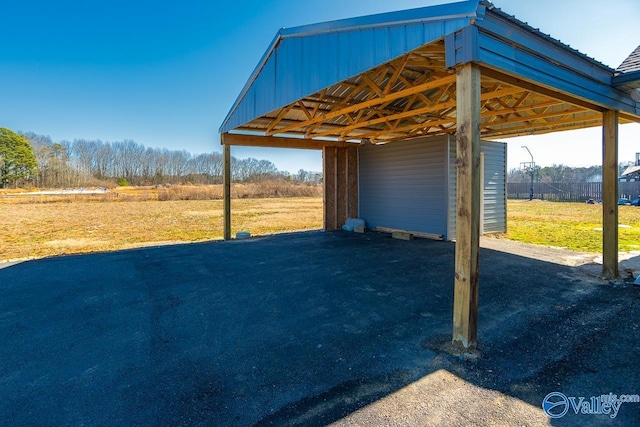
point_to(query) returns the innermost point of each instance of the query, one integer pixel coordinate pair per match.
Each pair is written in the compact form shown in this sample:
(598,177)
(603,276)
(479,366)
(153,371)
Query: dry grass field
(45,225)
(40,226)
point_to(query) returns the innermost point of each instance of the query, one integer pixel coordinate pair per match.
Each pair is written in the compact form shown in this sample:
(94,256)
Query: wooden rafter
(426,125)
(330,101)
(505,112)
(415,94)
(279,117)
(397,70)
(534,117)
(316,107)
(372,84)
(370,103)
(538,130)
(564,123)
(415,112)
(279,142)
(410,113)
(304,109)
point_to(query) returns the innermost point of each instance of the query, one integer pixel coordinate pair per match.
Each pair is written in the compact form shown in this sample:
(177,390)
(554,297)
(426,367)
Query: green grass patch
(574,226)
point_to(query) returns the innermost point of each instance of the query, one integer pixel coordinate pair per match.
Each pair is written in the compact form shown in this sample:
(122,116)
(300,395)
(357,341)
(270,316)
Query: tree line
(561,174)
(82,163)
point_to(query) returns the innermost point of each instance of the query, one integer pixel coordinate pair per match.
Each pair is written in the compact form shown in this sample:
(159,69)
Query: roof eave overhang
(508,50)
(252,78)
(502,43)
(630,79)
(470,9)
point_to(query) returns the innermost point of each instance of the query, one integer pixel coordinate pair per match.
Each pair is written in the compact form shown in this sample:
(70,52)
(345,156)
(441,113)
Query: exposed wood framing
(340,176)
(368,104)
(226,190)
(342,190)
(414,95)
(352,183)
(610,194)
(279,142)
(330,178)
(465,303)
(434,122)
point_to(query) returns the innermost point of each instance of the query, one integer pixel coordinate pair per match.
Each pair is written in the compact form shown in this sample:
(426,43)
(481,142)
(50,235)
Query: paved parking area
(309,329)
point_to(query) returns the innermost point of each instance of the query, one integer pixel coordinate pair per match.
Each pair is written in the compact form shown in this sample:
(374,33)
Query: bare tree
(75,163)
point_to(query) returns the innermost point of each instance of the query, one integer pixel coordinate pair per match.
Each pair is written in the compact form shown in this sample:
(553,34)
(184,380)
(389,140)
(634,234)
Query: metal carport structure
(466,69)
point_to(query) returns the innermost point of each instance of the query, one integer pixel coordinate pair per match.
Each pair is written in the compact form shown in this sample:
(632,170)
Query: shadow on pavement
(306,328)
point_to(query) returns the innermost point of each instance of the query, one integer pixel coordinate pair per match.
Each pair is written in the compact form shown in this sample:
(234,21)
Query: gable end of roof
(631,64)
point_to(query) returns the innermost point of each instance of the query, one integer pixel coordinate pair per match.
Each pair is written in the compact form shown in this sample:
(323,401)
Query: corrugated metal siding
(302,65)
(494,202)
(403,185)
(495,190)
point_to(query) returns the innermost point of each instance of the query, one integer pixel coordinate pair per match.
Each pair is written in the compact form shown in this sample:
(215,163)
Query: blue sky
(165,74)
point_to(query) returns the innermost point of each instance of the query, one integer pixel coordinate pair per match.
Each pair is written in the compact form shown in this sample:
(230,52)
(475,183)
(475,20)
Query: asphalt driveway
(309,329)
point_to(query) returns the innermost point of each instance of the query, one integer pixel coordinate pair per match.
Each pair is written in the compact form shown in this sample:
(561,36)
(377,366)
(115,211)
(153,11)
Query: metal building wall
(495,186)
(404,185)
(494,191)
(411,185)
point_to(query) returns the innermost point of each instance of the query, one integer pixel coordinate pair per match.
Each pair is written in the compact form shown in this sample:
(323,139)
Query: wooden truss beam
(534,117)
(536,130)
(279,142)
(386,119)
(562,124)
(370,103)
(514,81)
(443,120)
(417,112)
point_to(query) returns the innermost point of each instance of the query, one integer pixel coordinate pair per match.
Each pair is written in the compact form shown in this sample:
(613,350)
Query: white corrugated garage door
(410,185)
(404,185)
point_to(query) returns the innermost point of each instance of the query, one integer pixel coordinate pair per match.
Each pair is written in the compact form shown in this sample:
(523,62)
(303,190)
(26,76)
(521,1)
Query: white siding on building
(403,185)
(494,204)
(495,186)
(411,185)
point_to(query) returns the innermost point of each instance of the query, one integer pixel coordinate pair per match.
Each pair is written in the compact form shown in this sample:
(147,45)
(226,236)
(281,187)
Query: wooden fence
(575,192)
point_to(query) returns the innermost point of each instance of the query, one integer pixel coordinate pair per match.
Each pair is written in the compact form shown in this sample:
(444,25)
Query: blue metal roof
(463,10)
(306,59)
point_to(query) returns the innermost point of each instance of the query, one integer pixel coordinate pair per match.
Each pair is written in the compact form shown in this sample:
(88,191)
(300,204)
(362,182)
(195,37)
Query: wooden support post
(340,175)
(226,189)
(342,191)
(465,302)
(352,182)
(610,194)
(329,177)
